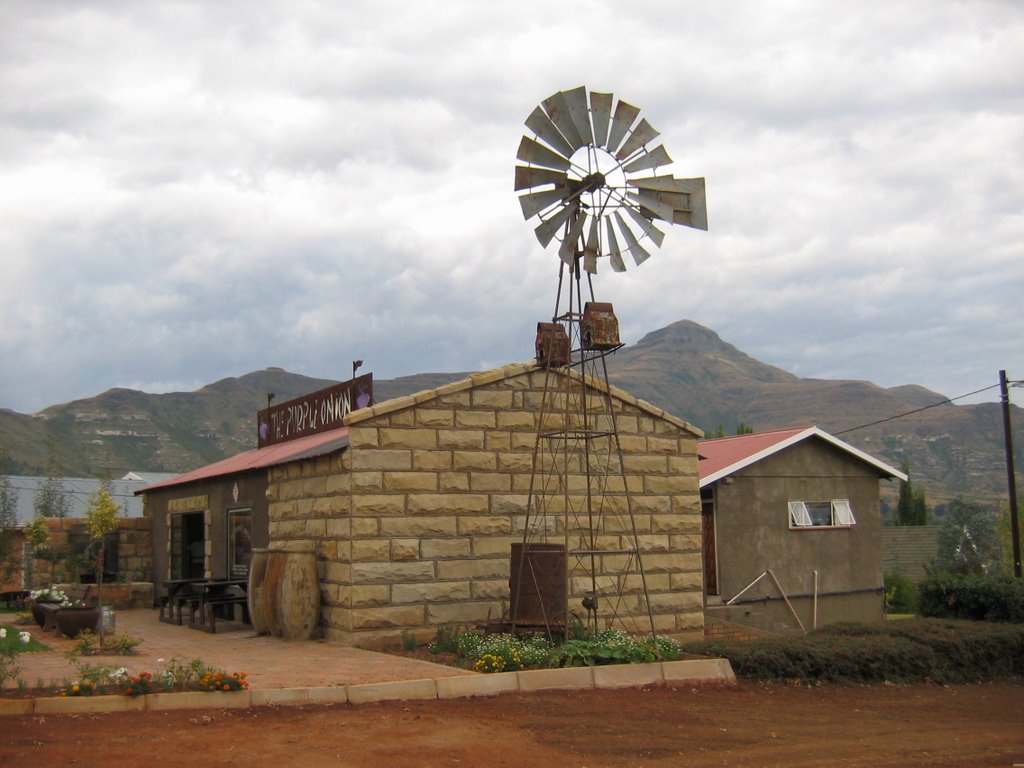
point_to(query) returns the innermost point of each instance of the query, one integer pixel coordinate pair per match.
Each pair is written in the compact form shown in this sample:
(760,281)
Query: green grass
(13,639)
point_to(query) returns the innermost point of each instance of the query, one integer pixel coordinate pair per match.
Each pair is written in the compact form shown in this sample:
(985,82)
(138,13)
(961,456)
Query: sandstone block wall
(413,523)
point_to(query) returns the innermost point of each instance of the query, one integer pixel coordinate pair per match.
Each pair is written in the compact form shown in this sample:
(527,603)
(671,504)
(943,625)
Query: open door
(707,520)
(188,546)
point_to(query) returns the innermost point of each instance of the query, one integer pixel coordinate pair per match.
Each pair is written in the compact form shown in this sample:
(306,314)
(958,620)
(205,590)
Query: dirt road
(743,725)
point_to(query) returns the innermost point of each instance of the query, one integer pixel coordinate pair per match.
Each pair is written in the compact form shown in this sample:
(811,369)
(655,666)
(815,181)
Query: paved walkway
(269,662)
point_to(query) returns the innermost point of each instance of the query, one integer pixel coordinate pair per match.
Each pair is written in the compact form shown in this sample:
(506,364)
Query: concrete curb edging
(698,671)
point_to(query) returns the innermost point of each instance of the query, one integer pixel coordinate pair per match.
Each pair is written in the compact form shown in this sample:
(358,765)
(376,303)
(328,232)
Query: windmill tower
(596,189)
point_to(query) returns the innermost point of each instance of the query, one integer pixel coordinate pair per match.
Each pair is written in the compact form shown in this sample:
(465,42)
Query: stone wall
(134,550)
(413,523)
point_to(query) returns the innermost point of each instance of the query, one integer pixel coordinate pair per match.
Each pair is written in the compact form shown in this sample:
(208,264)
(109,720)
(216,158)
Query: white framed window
(821,514)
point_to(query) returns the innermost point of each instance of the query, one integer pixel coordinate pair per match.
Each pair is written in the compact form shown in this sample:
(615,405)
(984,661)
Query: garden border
(714,671)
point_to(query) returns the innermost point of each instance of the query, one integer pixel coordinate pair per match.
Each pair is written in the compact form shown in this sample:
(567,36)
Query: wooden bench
(15,598)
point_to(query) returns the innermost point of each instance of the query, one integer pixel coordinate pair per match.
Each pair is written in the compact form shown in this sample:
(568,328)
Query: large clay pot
(284,593)
(73,621)
(298,607)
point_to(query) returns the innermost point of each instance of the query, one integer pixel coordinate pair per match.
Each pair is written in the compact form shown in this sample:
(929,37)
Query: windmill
(597,188)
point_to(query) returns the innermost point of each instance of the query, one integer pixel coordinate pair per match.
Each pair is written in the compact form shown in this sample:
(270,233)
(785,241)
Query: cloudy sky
(193,190)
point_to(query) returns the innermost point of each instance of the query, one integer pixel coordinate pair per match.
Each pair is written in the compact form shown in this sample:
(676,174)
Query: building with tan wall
(413,505)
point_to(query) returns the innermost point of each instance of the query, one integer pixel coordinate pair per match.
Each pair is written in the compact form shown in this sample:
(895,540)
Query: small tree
(101,519)
(37,534)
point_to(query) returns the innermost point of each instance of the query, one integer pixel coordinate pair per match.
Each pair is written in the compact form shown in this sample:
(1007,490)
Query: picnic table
(179,593)
(213,596)
(203,599)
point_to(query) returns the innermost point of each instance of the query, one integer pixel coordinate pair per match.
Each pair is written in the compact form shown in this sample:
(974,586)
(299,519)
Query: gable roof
(337,439)
(726,455)
(507,372)
(263,458)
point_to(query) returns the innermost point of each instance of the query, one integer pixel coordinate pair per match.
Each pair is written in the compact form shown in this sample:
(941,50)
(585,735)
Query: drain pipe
(814,617)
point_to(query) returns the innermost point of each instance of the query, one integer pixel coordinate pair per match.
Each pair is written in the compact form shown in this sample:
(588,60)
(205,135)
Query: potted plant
(75,617)
(45,596)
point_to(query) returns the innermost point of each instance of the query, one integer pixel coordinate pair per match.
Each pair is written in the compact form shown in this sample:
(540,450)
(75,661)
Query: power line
(918,410)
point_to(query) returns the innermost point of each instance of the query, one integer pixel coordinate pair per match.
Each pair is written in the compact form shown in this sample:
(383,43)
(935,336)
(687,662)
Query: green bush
(972,596)
(910,651)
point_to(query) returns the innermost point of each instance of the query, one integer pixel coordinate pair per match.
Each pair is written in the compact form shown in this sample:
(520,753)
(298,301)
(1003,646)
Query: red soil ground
(742,725)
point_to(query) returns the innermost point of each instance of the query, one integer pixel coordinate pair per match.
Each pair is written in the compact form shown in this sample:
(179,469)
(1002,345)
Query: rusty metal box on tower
(600,327)
(552,345)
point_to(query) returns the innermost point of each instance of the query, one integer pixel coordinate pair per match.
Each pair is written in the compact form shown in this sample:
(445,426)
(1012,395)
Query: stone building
(413,504)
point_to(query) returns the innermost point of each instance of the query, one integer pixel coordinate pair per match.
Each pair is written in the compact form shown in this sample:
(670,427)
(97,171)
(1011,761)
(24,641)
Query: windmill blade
(558,111)
(653,158)
(576,99)
(614,254)
(547,229)
(567,250)
(625,114)
(536,153)
(635,250)
(601,115)
(641,135)
(535,202)
(541,124)
(592,247)
(656,235)
(527,177)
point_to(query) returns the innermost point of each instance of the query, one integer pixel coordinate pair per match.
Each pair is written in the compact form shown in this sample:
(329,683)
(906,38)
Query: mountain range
(684,368)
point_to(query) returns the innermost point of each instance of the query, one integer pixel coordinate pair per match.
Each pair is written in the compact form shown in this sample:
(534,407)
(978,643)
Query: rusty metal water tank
(599,327)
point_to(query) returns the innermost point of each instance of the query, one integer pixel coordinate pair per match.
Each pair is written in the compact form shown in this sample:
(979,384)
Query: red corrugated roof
(260,458)
(725,455)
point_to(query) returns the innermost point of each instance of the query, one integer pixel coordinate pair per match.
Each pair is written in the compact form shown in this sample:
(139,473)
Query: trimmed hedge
(910,651)
(974,597)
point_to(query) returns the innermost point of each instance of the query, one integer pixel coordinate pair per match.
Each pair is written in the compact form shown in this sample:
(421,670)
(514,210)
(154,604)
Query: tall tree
(52,499)
(9,557)
(968,542)
(912,507)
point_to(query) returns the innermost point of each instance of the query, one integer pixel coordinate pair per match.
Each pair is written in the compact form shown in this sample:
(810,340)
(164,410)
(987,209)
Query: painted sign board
(313,413)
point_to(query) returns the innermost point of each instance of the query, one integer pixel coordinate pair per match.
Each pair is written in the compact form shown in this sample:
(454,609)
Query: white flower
(3,632)
(26,638)
(159,661)
(119,674)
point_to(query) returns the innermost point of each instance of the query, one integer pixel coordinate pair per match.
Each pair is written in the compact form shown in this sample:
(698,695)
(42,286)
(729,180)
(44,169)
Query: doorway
(188,545)
(707,519)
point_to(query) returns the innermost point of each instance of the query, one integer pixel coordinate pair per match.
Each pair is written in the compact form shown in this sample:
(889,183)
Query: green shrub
(972,596)
(911,651)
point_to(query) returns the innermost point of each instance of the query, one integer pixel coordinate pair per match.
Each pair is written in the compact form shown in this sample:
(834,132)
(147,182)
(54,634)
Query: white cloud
(194,190)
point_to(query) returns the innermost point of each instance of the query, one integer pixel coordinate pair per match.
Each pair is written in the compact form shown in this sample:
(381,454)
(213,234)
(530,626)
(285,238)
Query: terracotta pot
(73,621)
(284,593)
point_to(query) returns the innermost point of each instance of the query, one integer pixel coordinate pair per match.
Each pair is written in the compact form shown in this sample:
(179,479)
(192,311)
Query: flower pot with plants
(73,620)
(44,602)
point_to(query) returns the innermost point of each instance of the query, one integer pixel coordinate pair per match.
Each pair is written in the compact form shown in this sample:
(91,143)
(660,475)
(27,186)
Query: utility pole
(1010,477)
